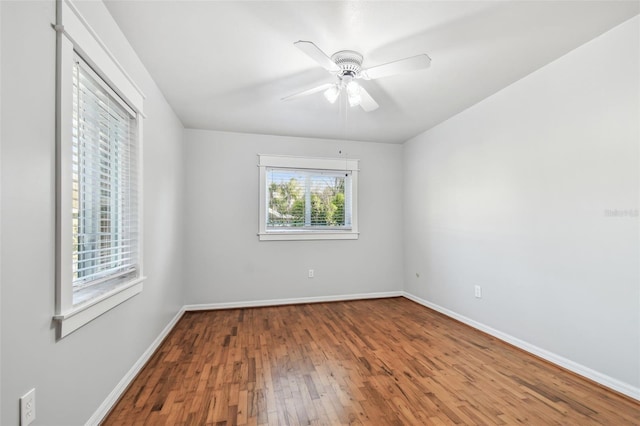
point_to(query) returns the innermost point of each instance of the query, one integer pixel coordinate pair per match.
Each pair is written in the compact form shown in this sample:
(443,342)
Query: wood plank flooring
(374,362)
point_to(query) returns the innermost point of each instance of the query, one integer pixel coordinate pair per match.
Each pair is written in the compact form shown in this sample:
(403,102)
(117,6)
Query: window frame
(306,164)
(75,37)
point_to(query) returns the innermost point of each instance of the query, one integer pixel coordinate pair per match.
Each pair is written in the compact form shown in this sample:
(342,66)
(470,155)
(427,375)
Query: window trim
(75,36)
(290,162)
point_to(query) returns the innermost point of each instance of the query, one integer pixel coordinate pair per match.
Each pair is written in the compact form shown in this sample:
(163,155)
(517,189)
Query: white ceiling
(225,65)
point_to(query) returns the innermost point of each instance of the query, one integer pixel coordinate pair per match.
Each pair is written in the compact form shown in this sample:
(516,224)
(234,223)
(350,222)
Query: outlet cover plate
(478,291)
(28,408)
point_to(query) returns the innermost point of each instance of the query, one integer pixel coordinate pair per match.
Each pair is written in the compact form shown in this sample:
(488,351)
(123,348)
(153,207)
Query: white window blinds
(104,179)
(308,199)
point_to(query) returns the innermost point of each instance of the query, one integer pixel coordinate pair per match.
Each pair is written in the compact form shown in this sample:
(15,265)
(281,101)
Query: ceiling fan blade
(308,91)
(317,55)
(367,102)
(396,67)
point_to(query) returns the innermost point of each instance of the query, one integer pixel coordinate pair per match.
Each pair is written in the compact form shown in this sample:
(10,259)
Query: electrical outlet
(28,408)
(478,291)
(310,273)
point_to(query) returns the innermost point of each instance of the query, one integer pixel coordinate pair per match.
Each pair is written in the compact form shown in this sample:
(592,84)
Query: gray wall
(73,376)
(513,195)
(225,262)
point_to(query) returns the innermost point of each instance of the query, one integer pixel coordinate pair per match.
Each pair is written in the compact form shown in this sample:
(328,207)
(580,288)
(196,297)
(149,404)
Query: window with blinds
(308,199)
(99,129)
(104,185)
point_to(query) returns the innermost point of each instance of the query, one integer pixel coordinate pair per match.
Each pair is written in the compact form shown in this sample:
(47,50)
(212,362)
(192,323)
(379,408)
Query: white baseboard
(602,379)
(293,301)
(117,392)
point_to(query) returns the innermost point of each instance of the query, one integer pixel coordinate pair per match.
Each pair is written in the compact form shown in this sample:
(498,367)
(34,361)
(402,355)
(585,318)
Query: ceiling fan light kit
(351,87)
(353,93)
(347,66)
(332,93)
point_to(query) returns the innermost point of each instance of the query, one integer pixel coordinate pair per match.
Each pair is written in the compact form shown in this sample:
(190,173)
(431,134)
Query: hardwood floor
(377,362)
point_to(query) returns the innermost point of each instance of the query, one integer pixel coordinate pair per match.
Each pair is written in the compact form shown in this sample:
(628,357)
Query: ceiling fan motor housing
(349,61)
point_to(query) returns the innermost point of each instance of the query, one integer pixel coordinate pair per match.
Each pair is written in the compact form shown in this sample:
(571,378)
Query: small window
(308,198)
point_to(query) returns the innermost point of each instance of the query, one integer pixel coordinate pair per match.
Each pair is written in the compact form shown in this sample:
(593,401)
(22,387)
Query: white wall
(512,195)
(226,262)
(73,376)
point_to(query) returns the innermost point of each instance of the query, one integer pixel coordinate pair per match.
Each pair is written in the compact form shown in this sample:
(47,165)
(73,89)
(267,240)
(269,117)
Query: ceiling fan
(347,66)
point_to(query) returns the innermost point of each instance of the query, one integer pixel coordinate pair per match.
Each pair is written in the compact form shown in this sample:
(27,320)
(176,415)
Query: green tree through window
(299,199)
